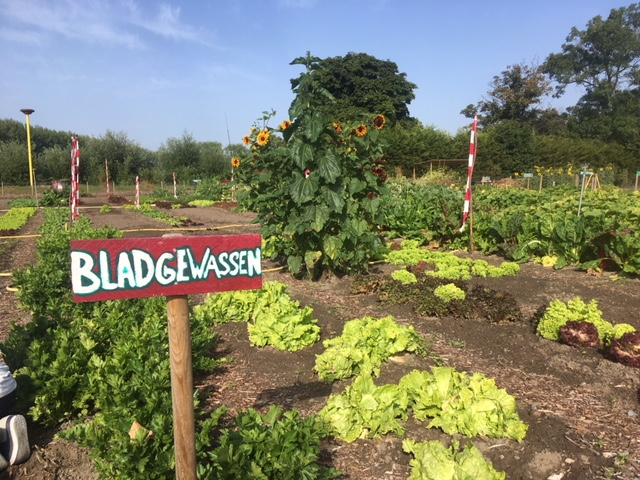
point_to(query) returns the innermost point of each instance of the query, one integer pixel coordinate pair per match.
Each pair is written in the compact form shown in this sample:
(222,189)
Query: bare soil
(583,410)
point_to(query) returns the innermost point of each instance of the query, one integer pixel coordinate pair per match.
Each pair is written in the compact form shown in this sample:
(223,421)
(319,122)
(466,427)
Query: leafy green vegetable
(202,203)
(363,346)
(622,328)
(434,461)
(449,292)
(404,276)
(16,218)
(365,410)
(458,403)
(558,314)
(273,318)
(448,265)
(284,325)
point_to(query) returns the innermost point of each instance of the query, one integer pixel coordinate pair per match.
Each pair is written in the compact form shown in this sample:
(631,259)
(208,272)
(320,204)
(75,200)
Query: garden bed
(583,410)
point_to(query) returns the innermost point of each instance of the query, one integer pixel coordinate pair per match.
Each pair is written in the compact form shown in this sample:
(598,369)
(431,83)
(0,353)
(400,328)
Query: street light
(32,174)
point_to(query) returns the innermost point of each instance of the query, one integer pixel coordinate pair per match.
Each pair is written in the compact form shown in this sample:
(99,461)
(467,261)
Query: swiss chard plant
(276,445)
(315,183)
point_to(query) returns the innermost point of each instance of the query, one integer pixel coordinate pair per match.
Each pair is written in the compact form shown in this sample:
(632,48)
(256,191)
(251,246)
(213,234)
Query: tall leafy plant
(315,183)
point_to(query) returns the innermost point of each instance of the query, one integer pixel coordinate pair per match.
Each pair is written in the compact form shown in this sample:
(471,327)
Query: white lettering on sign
(137,269)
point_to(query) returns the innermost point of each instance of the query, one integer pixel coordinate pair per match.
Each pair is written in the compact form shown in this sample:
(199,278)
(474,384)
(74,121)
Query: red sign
(118,269)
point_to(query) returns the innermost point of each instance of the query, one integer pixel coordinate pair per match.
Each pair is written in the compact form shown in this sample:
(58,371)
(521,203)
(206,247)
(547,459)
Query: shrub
(316,183)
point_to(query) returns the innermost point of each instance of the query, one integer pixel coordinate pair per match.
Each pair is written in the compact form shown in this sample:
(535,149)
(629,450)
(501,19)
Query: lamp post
(28,112)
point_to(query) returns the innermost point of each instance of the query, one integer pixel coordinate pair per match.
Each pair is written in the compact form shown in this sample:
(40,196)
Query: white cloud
(96,21)
(167,24)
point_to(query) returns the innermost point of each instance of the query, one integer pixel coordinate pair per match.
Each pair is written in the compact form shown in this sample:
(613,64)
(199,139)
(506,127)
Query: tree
(506,148)
(126,158)
(54,163)
(213,161)
(362,85)
(14,164)
(410,145)
(180,155)
(514,95)
(604,59)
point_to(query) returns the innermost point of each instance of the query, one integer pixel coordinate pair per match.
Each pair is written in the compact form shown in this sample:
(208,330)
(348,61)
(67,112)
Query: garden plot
(582,409)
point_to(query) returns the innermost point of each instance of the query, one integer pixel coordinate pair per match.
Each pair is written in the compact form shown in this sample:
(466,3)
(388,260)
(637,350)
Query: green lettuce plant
(459,403)
(365,410)
(273,318)
(364,345)
(449,292)
(404,276)
(16,218)
(433,461)
(559,313)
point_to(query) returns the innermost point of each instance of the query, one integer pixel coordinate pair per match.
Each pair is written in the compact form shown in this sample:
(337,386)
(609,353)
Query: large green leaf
(303,189)
(333,197)
(311,258)
(332,246)
(329,167)
(302,153)
(294,262)
(316,125)
(356,186)
(321,214)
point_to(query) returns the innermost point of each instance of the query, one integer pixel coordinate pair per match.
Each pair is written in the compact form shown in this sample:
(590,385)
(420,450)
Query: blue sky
(156,70)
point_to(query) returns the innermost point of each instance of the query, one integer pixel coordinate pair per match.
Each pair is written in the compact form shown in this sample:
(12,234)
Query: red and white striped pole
(106,168)
(75,178)
(137,191)
(472,160)
(175,186)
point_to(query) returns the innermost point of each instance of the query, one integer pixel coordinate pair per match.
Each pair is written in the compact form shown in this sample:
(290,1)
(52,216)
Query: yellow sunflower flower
(361,131)
(235,162)
(286,124)
(337,127)
(263,138)
(379,121)
(247,140)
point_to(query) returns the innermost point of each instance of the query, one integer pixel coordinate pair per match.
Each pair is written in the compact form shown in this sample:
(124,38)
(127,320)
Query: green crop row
(599,230)
(16,218)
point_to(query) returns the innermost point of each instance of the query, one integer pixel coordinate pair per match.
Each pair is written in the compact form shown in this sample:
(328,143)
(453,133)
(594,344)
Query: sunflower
(337,127)
(379,121)
(247,140)
(235,162)
(263,138)
(361,131)
(286,124)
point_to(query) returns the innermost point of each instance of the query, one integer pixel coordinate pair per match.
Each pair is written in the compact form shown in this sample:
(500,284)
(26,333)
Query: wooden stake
(182,387)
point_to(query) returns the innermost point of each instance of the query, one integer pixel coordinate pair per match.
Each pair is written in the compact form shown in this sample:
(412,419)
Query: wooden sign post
(173,267)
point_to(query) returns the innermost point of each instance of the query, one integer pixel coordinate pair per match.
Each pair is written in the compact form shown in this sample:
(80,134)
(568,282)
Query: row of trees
(517,129)
(185,156)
